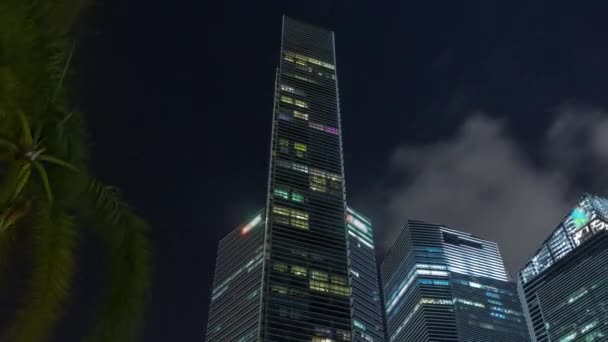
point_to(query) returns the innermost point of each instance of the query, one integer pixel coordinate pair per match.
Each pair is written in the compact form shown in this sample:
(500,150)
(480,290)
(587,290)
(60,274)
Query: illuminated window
(301,62)
(281,214)
(306,79)
(288,58)
(279,289)
(331,130)
(316,126)
(319,275)
(286,99)
(300,149)
(297,197)
(339,290)
(293,217)
(322,339)
(279,267)
(287,88)
(337,279)
(301,104)
(280,192)
(318,181)
(299,219)
(335,183)
(300,115)
(319,286)
(300,167)
(283,145)
(300,271)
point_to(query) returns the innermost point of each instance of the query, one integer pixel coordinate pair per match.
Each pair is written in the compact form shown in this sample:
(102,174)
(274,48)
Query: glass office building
(367,318)
(564,286)
(304,280)
(445,285)
(235,299)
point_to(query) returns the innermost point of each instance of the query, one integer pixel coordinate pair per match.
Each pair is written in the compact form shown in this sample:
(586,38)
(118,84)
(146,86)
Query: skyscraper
(564,286)
(303,292)
(368,322)
(235,300)
(444,285)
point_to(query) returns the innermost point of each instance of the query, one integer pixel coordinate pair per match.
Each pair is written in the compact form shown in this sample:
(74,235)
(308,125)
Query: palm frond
(128,283)
(45,180)
(53,240)
(9,145)
(57,161)
(26,133)
(129,264)
(23,176)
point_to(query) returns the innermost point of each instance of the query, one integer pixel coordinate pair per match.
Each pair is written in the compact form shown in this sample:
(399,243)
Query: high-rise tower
(305,285)
(303,291)
(445,285)
(564,286)
(367,313)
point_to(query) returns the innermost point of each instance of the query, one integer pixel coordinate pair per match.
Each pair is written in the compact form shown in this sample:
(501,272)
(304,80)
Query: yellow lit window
(300,271)
(323,339)
(301,62)
(281,214)
(300,115)
(299,219)
(337,279)
(319,286)
(279,289)
(280,267)
(339,290)
(301,104)
(318,275)
(286,99)
(300,147)
(318,183)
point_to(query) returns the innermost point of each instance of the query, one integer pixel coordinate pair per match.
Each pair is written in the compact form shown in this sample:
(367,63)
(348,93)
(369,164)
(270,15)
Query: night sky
(488,117)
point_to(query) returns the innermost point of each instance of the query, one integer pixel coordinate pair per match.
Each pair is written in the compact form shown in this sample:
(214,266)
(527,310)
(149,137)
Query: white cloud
(482,181)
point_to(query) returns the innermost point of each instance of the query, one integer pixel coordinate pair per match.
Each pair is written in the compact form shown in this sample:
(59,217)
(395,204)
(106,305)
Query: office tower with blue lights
(368,322)
(441,284)
(284,276)
(564,286)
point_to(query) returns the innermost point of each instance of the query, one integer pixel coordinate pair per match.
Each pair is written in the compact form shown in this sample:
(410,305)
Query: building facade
(366,311)
(445,285)
(564,286)
(235,300)
(304,290)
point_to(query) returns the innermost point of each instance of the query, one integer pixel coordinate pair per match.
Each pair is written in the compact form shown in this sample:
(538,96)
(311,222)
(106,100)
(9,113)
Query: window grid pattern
(436,288)
(368,323)
(235,299)
(569,300)
(301,305)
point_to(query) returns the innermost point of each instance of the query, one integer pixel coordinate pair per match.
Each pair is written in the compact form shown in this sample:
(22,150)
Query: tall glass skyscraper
(368,322)
(564,286)
(303,292)
(445,285)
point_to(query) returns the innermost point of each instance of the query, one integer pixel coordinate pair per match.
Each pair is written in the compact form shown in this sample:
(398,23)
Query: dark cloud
(484,181)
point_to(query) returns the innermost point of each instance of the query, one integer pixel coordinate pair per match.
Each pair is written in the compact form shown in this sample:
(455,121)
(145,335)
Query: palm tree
(47,194)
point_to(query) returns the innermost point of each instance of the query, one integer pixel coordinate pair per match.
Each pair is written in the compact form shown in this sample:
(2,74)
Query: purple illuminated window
(331,130)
